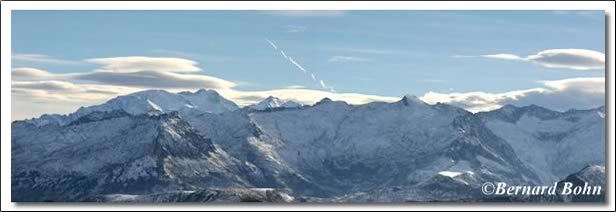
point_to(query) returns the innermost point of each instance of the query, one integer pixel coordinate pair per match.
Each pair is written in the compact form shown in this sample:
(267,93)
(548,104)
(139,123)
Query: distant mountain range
(157,146)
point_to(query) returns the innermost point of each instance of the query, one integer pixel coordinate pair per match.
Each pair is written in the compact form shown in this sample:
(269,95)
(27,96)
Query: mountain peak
(150,101)
(271,98)
(202,91)
(274,102)
(324,100)
(150,92)
(411,99)
(207,91)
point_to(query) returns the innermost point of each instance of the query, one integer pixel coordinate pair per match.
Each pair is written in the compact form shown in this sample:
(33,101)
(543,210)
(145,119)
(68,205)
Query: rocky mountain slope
(160,146)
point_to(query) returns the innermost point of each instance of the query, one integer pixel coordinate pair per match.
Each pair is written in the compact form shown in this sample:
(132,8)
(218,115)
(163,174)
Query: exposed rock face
(155,146)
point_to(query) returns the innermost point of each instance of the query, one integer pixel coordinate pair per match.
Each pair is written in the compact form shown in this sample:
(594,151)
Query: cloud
(83,89)
(598,14)
(45,85)
(373,51)
(342,58)
(588,85)
(578,59)
(303,96)
(208,58)
(140,63)
(123,75)
(64,91)
(295,29)
(140,79)
(555,94)
(41,58)
(34,98)
(476,101)
(306,13)
(435,80)
(27,73)
(294,87)
(155,79)
(503,56)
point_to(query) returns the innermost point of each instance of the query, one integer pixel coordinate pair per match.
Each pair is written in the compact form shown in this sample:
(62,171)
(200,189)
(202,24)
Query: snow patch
(601,114)
(154,105)
(450,173)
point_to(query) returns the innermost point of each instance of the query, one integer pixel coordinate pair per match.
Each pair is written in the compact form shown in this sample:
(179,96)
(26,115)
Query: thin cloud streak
(577,59)
(272,44)
(301,68)
(41,58)
(297,65)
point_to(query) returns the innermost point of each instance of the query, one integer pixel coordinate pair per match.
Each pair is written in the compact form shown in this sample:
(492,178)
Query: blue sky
(383,53)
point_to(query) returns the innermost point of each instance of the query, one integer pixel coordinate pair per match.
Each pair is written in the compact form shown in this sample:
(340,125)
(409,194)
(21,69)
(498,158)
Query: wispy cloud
(306,13)
(41,58)
(343,58)
(295,29)
(435,80)
(175,53)
(208,58)
(598,14)
(504,56)
(141,63)
(373,51)
(556,94)
(294,87)
(578,59)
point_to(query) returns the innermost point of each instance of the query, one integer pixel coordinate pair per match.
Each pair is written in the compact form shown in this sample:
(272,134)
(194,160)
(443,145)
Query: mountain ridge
(330,149)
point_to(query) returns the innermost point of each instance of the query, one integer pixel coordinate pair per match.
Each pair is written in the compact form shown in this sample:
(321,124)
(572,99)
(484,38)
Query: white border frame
(5,63)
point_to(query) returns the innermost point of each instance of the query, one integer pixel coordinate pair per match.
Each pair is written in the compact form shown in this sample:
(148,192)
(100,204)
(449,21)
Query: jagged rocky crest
(156,146)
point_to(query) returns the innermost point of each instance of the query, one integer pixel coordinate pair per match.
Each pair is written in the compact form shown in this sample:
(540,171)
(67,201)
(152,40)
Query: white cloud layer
(37,91)
(140,63)
(555,94)
(26,73)
(155,79)
(41,58)
(578,59)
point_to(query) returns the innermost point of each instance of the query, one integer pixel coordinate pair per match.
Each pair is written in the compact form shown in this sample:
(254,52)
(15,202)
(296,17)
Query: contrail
(313,76)
(272,43)
(297,65)
(323,84)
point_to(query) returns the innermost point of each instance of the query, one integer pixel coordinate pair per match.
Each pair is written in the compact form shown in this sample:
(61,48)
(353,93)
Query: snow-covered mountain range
(198,146)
